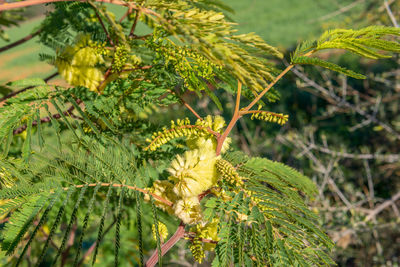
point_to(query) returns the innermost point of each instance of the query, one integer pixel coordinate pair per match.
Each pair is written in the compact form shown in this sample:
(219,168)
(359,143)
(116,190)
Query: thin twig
(390,14)
(127,13)
(101,22)
(339,11)
(20,41)
(236,116)
(135,23)
(382,206)
(340,102)
(191,109)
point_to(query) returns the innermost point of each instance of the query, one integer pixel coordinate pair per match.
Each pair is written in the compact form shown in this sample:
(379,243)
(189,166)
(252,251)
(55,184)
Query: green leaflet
(27,82)
(301,60)
(20,222)
(262,166)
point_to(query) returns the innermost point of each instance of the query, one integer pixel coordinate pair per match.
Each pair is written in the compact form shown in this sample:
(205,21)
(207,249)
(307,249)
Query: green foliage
(367,42)
(91,165)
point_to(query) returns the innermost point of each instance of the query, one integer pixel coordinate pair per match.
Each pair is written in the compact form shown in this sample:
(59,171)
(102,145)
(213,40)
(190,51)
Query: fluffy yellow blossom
(78,64)
(193,173)
(188,210)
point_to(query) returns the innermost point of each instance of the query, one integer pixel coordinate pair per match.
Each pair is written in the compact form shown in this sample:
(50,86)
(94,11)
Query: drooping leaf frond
(370,42)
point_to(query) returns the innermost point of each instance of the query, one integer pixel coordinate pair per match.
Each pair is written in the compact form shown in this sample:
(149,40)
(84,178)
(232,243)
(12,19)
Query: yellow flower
(78,64)
(193,173)
(188,210)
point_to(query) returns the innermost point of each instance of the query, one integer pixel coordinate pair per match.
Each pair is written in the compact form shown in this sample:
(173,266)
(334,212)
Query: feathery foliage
(83,159)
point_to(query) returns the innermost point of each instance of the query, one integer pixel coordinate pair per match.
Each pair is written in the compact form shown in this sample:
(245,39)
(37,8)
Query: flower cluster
(79,64)
(191,174)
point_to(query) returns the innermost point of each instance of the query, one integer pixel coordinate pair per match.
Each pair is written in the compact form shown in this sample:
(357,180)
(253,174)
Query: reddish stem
(180,233)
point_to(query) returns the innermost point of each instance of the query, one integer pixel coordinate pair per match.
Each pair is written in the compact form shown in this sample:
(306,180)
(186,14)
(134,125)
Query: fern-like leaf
(85,223)
(327,65)
(55,225)
(71,222)
(101,225)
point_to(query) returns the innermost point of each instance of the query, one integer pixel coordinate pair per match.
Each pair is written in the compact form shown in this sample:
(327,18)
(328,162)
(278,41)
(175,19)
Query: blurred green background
(345,138)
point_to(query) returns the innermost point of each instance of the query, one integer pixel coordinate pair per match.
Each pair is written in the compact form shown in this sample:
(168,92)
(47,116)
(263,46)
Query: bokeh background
(343,133)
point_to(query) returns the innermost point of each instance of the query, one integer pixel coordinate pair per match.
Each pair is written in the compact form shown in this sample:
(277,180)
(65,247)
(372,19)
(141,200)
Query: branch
(382,206)
(390,14)
(129,11)
(101,22)
(180,233)
(4,98)
(342,102)
(135,22)
(20,41)
(191,109)
(288,68)
(48,119)
(339,11)
(236,116)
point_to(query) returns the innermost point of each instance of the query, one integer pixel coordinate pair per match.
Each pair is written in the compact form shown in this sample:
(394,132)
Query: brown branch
(48,119)
(20,41)
(4,98)
(101,22)
(235,118)
(191,109)
(192,235)
(128,12)
(179,234)
(135,23)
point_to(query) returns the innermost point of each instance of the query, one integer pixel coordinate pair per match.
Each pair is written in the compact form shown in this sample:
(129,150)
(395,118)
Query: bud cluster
(121,56)
(278,118)
(182,128)
(228,173)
